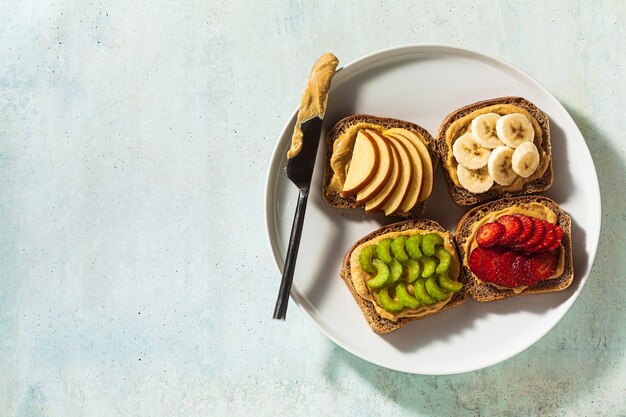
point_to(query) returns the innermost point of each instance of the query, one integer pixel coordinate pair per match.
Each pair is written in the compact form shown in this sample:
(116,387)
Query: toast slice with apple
(379,164)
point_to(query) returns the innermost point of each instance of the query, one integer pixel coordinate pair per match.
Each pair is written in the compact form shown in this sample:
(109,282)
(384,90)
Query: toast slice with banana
(379,164)
(404,272)
(495,148)
(515,246)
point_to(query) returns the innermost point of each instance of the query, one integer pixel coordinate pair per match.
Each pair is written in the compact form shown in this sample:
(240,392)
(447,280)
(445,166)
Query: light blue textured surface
(135,277)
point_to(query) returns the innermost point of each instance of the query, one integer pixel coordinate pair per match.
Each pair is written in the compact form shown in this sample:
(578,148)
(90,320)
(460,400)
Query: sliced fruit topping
(475,257)
(504,271)
(469,153)
(528,227)
(514,129)
(539,232)
(489,234)
(548,239)
(558,235)
(513,228)
(499,165)
(365,259)
(525,159)
(489,264)
(519,269)
(541,266)
(475,181)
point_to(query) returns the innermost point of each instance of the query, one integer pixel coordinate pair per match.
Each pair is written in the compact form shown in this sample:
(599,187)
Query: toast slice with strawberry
(515,246)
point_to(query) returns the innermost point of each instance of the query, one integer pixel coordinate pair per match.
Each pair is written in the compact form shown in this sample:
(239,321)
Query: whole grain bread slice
(332,197)
(376,322)
(465,198)
(484,292)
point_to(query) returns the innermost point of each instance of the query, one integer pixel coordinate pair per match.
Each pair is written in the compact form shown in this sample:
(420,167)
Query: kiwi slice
(388,303)
(382,249)
(413,246)
(381,276)
(444,260)
(429,242)
(433,289)
(397,247)
(421,294)
(405,298)
(365,259)
(412,269)
(449,285)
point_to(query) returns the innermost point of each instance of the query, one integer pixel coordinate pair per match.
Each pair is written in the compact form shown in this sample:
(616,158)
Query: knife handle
(280,311)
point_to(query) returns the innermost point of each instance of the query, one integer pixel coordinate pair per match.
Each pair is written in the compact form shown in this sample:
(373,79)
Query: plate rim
(416,48)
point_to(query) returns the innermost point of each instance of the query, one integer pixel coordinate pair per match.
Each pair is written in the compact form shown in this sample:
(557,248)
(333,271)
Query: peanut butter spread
(314,98)
(462,125)
(360,277)
(342,153)
(530,209)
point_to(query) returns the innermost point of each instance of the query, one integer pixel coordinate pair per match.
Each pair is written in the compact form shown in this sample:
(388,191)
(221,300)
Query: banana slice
(514,129)
(525,159)
(484,130)
(469,153)
(500,165)
(475,181)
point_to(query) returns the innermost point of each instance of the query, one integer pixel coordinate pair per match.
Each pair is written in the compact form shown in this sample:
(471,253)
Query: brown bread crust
(484,292)
(465,198)
(335,199)
(376,322)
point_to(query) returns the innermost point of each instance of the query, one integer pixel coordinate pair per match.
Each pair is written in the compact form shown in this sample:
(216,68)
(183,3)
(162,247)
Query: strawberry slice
(548,239)
(489,265)
(504,271)
(513,228)
(538,234)
(541,266)
(519,269)
(489,234)
(528,227)
(558,235)
(475,257)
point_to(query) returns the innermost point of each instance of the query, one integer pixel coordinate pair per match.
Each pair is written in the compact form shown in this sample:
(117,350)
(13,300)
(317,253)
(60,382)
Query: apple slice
(416,181)
(384,169)
(427,164)
(410,199)
(363,165)
(406,175)
(379,200)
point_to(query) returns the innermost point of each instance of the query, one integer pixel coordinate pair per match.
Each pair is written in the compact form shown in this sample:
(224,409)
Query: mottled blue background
(135,278)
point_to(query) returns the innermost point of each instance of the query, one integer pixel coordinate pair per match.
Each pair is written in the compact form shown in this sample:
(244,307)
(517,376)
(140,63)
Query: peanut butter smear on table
(314,98)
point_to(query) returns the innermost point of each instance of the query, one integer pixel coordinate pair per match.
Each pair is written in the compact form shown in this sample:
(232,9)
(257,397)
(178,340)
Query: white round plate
(422,84)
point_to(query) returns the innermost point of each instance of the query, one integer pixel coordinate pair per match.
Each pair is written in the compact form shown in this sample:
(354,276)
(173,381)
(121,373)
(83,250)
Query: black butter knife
(299,171)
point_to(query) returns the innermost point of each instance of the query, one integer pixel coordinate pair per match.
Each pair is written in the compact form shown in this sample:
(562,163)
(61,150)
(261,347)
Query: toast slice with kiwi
(333,197)
(464,197)
(484,292)
(376,322)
